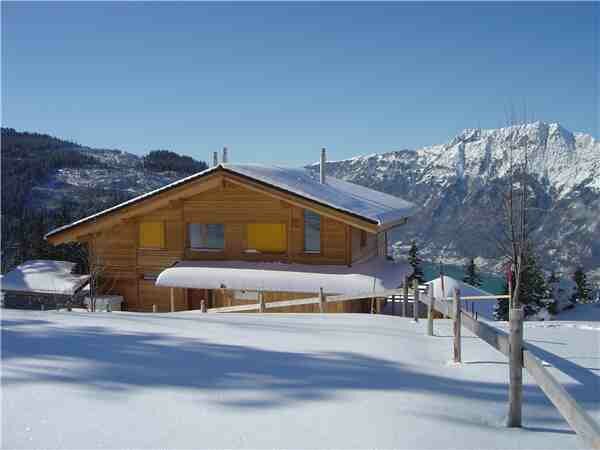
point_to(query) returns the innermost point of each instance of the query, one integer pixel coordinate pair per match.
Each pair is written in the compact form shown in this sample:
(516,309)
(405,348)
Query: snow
(483,308)
(43,276)
(351,198)
(189,380)
(372,276)
(581,312)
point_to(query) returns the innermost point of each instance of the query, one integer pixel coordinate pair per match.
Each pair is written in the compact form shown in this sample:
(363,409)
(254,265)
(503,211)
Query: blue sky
(277,81)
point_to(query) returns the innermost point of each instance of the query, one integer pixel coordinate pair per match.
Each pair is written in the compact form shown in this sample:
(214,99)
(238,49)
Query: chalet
(225,233)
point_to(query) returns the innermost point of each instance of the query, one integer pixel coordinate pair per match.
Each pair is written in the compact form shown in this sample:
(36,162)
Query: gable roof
(370,205)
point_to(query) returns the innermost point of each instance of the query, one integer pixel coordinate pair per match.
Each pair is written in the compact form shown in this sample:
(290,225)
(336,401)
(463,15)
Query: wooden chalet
(223,234)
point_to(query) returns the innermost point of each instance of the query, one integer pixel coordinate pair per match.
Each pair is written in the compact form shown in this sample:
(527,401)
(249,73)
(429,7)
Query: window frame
(203,249)
(304,250)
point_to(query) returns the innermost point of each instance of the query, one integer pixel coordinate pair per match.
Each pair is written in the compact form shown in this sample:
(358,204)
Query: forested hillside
(48,182)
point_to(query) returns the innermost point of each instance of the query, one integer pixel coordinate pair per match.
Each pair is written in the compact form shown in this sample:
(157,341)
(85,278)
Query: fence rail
(305,301)
(579,419)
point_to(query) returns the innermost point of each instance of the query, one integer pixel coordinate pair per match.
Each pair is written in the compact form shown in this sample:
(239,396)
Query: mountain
(47,182)
(459,187)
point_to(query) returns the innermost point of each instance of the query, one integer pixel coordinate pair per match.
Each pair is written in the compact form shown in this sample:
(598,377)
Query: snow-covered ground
(183,380)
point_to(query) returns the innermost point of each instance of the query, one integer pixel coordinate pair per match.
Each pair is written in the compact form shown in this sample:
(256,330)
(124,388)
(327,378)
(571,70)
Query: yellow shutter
(152,235)
(267,237)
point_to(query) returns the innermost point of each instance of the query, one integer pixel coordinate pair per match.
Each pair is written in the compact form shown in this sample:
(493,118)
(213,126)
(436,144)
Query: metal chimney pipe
(225,159)
(215,159)
(323,160)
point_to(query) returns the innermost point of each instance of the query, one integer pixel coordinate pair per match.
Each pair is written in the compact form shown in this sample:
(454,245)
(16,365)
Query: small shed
(42,282)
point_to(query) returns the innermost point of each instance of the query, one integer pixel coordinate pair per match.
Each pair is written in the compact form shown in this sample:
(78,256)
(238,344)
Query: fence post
(456,326)
(416,300)
(405,299)
(430,310)
(154,309)
(322,301)
(172,299)
(203,305)
(515,393)
(261,302)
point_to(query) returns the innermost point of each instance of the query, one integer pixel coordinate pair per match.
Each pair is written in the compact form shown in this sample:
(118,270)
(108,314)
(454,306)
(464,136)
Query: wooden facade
(115,243)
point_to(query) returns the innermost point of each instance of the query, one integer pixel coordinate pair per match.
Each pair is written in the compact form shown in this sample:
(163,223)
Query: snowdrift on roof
(376,275)
(43,277)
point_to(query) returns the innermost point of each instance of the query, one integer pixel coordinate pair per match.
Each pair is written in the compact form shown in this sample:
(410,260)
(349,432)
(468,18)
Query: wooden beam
(143,206)
(515,361)
(579,420)
(456,323)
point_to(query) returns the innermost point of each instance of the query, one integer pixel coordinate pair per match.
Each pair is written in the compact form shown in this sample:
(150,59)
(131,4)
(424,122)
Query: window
(206,236)
(267,237)
(152,235)
(312,232)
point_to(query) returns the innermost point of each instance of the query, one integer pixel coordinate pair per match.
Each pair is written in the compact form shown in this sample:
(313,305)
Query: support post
(203,305)
(430,311)
(416,300)
(405,299)
(515,393)
(456,326)
(172,299)
(154,309)
(322,301)
(261,302)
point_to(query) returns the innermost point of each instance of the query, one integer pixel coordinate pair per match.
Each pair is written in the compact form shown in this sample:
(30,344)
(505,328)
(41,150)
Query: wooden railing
(519,354)
(322,299)
(511,345)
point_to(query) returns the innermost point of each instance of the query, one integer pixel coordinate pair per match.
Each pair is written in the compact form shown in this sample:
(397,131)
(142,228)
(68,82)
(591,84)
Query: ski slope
(183,380)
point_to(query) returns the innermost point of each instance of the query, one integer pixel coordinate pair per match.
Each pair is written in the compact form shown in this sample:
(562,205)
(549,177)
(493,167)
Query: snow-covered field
(183,380)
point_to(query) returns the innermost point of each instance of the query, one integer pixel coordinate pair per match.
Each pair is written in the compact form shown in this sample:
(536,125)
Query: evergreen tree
(501,307)
(581,292)
(415,261)
(471,276)
(533,290)
(534,294)
(554,292)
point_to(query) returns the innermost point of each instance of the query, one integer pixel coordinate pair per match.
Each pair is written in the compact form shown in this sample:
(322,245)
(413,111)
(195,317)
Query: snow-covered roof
(484,308)
(43,277)
(376,275)
(367,203)
(371,205)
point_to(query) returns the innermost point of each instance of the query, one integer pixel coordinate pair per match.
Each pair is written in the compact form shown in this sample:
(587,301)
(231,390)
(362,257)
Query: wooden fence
(512,346)
(579,420)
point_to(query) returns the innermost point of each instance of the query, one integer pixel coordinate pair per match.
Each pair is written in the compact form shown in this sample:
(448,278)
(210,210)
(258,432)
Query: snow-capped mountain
(459,186)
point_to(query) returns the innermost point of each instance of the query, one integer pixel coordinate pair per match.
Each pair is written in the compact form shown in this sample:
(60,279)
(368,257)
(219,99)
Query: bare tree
(95,266)
(515,240)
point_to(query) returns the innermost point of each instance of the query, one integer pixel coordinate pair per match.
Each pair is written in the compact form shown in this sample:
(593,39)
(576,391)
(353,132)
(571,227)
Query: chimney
(215,159)
(323,160)
(225,159)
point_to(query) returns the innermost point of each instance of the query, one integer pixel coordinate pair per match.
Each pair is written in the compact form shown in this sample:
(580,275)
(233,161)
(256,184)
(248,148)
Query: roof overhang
(371,277)
(204,181)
